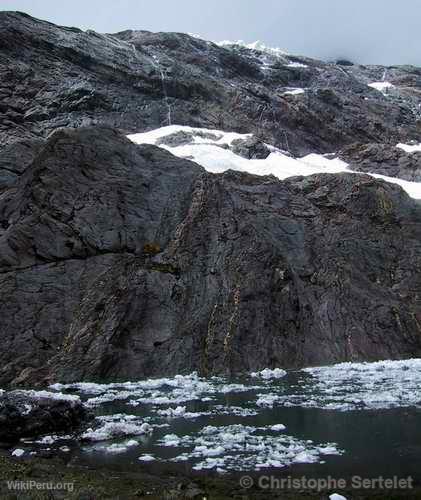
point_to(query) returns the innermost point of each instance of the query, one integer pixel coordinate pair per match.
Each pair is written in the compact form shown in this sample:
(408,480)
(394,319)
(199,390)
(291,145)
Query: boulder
(29,414)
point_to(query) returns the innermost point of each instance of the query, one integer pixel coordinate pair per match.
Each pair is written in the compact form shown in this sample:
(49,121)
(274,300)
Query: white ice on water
(269,374)
(211,149)
(242,445)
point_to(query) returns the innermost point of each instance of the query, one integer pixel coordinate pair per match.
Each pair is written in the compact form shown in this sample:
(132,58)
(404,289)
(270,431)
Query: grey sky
(366,31)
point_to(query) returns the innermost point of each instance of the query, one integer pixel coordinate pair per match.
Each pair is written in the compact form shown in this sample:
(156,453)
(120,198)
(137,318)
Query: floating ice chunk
(47,440)
(18,452)
(267,400)
(111,430)
(115,448)
(269,374)
(171,440)
(305,458)
(146,458)
(278,427)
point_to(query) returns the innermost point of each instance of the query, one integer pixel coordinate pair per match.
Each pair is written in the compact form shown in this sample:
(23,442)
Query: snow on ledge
(381,86)
(257,45)
(211,149)
(294,91)
(410,148)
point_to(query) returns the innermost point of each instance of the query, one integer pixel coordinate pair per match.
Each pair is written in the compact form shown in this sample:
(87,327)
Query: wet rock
(28,414)
(136,80)
(384,159)
(251,148)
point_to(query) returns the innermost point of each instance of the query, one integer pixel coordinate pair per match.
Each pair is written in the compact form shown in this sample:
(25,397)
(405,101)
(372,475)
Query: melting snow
(259,46)
(296,65)
(410,148)
(294,91)
(381,86)
(208,148)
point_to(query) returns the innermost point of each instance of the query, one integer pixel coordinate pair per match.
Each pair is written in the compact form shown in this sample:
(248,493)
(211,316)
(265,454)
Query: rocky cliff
(119,260)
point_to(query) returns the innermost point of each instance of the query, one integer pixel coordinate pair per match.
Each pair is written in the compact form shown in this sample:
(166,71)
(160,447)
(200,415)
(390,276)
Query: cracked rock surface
(54,77)
(121,261)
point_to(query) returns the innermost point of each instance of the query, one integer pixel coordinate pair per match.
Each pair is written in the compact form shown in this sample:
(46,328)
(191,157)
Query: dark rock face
(121,261)
(251,149)
(28,414)
(135,80)
(383,159)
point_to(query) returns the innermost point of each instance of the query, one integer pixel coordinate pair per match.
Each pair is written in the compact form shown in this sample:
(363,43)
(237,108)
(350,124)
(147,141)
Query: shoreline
(109,482)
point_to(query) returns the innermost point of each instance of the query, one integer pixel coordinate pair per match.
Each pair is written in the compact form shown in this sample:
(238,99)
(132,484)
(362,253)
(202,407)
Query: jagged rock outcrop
(135,80)
(121,261)
(384,159)
(28,414)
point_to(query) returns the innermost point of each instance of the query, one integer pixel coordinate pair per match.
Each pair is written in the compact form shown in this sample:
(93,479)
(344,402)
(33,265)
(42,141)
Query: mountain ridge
(120,261)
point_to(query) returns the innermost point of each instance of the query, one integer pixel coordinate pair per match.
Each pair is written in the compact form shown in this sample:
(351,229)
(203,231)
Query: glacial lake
(353,419)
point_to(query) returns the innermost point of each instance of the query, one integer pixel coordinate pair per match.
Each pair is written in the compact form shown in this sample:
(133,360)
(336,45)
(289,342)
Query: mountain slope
(122,261)
(135,80)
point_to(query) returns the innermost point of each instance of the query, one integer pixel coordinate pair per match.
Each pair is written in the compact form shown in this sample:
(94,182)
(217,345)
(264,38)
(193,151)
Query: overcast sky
(366,31)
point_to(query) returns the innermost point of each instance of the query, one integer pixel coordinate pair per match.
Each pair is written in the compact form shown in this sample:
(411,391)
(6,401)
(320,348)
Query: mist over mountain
(373,32)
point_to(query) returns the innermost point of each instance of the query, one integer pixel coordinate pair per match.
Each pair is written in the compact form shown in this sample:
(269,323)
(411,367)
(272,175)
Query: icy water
(342,421)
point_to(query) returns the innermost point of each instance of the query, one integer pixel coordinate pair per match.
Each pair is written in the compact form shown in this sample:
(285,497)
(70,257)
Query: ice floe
(269,374)
(239,447)
(238,441)
(18,452)
(116,426)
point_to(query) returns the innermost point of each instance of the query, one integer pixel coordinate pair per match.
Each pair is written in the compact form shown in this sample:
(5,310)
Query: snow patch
(382,87)
(257,45)
(294,91)
(296,65)
(18,452)
(207,147)
(410,148)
